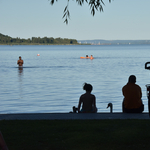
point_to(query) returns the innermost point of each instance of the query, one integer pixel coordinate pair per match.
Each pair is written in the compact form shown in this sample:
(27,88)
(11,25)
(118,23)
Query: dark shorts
(90,111)
(84,111)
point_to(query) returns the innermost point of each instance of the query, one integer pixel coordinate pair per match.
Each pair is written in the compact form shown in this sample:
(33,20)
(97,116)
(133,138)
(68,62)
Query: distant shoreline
(40,44)
(7,40)
(79,44)
(115,42)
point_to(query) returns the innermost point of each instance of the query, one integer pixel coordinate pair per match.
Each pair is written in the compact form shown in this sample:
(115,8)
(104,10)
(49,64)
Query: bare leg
(3,145)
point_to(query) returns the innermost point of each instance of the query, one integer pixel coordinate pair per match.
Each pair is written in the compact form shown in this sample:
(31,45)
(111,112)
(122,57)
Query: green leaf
(66,8)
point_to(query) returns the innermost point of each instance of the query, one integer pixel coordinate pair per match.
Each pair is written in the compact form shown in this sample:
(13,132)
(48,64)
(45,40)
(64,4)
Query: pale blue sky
(121,20)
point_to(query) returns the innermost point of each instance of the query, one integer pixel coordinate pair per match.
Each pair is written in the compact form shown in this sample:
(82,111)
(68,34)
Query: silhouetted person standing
(20,62)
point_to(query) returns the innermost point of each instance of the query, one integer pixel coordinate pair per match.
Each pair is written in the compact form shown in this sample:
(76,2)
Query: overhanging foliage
(95,5)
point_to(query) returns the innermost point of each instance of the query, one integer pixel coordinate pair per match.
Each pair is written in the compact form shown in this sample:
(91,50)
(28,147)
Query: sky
(120,20)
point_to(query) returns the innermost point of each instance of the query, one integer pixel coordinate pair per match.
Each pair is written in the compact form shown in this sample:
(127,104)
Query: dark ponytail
(87,87)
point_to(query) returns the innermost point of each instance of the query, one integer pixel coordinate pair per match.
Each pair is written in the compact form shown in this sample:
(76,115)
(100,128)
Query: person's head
(19,57)
(132,79)
(87,87)
(87,56)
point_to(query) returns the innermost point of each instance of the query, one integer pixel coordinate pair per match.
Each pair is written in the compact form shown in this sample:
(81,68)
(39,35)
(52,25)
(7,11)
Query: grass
(76,134)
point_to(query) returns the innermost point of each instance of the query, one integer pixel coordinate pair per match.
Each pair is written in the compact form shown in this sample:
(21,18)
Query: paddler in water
(87,57)
(91,57)
(20,62)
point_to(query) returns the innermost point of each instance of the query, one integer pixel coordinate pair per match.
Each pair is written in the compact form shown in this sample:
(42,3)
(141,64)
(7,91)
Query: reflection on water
(20,79)
(20,70)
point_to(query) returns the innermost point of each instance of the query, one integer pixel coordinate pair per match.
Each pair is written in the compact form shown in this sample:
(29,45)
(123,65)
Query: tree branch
(95,5)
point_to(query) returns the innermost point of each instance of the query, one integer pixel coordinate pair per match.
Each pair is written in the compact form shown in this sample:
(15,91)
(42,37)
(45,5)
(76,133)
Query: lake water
(52,82)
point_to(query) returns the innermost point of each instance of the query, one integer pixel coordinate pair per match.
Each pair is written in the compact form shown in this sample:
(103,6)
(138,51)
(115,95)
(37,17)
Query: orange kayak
(86,57)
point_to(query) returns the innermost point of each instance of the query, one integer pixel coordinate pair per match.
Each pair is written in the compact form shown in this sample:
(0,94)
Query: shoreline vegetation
(7,40)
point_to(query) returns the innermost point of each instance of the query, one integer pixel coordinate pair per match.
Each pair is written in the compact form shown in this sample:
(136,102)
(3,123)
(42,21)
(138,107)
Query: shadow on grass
(76,134)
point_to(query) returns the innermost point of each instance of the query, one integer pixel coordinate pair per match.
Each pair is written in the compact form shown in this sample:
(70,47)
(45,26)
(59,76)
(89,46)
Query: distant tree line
(5,39)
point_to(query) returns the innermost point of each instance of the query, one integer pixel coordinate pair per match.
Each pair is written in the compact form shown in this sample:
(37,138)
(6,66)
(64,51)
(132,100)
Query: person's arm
(94,103)
(79,105)
(122,91)
(140,93)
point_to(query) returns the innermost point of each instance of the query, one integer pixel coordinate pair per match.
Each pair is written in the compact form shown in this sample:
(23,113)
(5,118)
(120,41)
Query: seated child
(87,100)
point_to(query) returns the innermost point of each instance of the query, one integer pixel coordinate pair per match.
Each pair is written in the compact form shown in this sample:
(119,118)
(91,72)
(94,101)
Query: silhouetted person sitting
(87,100)
(132,93)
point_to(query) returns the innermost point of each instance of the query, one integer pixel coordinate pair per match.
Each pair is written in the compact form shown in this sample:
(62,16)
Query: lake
(52,82)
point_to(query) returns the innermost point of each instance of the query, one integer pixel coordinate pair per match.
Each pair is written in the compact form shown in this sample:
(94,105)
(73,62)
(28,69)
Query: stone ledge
(72,116)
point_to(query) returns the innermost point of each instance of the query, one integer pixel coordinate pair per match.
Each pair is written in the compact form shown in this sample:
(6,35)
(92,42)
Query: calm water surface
(52,82)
